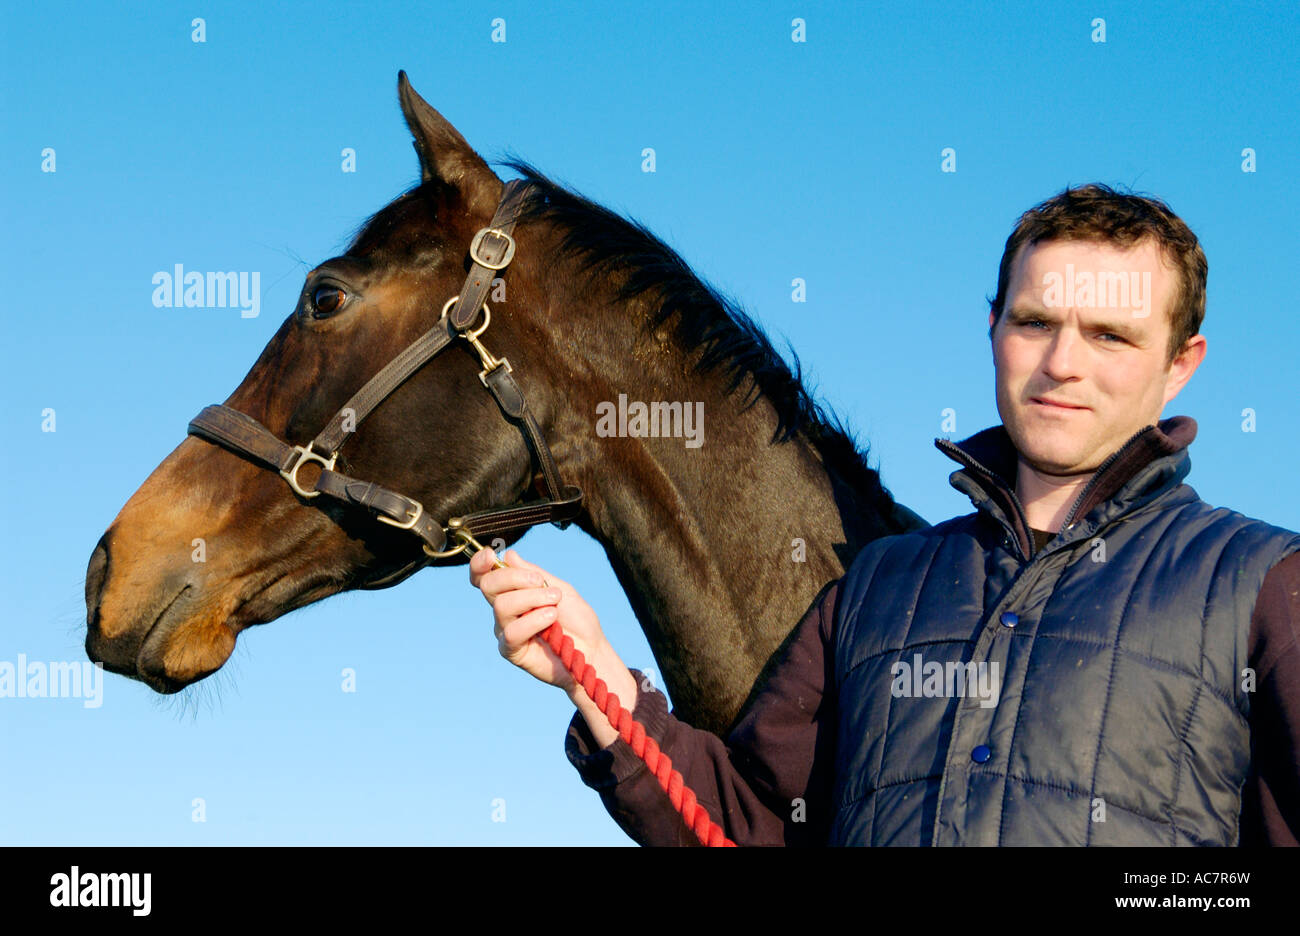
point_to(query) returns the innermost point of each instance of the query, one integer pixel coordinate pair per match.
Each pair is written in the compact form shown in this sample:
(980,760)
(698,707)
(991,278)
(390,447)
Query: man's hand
(523,607)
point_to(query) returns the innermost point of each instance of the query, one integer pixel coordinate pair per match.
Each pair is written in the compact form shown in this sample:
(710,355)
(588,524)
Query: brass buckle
(477,243)
(306,455)
(405,524)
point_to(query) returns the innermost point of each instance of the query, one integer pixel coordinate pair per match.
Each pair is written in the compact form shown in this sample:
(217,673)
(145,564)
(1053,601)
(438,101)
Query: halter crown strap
(491,250)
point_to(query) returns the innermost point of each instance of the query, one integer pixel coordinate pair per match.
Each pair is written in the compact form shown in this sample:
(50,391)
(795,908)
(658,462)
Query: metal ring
(444,553)
(305,455)
(487,317)
(471,335)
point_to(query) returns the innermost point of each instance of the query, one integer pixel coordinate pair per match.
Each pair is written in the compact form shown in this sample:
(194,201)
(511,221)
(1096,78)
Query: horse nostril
(96,575)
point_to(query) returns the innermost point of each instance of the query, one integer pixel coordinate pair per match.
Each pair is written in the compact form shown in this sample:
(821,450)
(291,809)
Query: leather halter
(491,250)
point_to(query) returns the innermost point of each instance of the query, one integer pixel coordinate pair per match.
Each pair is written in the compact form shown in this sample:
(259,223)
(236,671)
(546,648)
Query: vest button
(980,754)
(1009,619)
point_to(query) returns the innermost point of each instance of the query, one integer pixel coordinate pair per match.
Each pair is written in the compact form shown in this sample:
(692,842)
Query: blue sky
(775,159)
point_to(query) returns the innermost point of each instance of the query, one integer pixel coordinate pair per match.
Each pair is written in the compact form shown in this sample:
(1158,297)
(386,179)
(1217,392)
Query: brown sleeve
(768,783)
(1271,799)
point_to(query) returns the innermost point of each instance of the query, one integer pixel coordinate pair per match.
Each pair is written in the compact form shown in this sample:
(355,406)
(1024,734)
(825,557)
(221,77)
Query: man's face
(1079,369)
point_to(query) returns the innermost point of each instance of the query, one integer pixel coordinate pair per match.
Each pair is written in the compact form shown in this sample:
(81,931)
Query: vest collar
(1153,460)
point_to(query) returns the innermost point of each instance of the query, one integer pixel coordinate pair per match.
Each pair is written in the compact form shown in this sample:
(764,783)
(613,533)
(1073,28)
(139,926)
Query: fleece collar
(1151,461)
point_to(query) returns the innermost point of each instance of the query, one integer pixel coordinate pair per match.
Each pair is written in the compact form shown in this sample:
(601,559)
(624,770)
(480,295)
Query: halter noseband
(491,250)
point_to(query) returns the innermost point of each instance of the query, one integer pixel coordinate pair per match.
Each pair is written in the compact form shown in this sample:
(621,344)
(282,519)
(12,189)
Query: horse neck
(720,548)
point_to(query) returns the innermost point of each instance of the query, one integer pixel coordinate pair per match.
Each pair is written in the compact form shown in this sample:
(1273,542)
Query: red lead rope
(629,729)
(633,732)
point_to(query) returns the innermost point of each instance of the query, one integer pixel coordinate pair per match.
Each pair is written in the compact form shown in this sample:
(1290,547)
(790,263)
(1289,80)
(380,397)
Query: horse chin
(177,653)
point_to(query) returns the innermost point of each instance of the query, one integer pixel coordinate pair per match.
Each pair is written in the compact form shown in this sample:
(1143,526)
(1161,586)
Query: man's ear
(1184,365)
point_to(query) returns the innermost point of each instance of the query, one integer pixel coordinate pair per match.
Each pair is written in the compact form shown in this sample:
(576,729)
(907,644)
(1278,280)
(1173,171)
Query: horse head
(212,543)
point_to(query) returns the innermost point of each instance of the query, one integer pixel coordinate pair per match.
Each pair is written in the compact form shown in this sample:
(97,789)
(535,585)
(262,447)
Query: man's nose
(1062,360)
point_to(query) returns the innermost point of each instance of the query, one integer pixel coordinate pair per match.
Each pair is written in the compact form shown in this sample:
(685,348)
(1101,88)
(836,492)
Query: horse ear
(444,154)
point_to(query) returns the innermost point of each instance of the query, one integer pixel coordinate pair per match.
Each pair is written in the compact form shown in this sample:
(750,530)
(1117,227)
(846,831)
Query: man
(1094,657)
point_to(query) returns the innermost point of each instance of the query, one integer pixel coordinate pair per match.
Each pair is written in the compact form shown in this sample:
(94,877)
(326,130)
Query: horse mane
(604,242)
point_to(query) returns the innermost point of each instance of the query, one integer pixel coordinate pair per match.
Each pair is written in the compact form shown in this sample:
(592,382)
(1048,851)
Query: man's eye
(326,300)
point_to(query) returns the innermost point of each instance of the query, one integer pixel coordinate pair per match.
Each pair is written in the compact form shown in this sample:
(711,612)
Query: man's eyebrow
(1021,311)
(1120,327)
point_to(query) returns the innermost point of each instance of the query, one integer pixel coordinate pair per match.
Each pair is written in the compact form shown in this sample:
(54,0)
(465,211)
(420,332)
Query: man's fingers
(514,636)
(516,561)
(482,562)
(479,565)
(520,601)
(494,582)
(482,565)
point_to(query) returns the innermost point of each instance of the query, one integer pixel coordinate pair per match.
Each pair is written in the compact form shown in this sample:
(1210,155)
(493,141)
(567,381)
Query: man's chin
(1047,450)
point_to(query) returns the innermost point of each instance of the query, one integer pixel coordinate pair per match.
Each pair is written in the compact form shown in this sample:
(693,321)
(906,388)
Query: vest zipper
(1070,520)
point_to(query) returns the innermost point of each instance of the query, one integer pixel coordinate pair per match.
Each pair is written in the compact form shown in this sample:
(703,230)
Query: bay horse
(721,548)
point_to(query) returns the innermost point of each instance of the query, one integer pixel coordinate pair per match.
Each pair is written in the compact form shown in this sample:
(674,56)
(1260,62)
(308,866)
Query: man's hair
(1096,212)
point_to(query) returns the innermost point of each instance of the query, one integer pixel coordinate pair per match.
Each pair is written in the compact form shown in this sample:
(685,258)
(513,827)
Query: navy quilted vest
(1091,695)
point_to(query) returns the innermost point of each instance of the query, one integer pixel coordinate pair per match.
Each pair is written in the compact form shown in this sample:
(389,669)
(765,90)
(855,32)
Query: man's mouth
(1056,405)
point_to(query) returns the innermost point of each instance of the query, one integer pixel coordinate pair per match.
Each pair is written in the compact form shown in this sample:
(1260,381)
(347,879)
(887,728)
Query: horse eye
(326,300)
